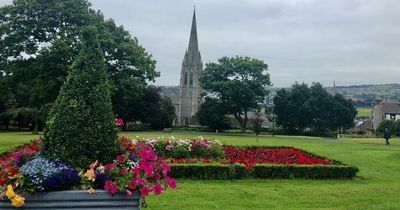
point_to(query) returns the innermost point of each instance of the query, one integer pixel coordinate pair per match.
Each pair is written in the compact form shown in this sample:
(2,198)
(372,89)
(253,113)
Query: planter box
(78,199)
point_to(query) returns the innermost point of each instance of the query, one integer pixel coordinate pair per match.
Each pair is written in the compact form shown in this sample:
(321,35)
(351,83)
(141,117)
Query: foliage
(81,126)
(264,171)
(39,40)
(391,125)
(238,83)
(212,113)
(167,112)
(150,108)
(302,107)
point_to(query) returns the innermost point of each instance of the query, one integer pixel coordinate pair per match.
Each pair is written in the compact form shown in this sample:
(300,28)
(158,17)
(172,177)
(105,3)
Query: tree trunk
(36,130)
(245,121)
(241,122)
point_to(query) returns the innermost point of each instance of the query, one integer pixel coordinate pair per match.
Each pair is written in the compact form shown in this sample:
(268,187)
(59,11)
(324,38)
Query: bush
(264,171)
(81,128)
(208,171)
(304,171)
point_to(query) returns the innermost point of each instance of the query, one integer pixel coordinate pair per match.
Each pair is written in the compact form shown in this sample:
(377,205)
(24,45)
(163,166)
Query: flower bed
(250,156)
(209,159)
(138,168)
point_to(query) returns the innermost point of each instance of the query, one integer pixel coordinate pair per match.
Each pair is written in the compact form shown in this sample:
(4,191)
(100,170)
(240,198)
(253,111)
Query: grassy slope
(377,187)
(364,112)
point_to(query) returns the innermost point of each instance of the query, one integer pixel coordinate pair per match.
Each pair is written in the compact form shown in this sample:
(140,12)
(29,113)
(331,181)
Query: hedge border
(263,171)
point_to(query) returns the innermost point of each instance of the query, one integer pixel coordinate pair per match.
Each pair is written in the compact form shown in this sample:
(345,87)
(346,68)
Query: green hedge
(264,171)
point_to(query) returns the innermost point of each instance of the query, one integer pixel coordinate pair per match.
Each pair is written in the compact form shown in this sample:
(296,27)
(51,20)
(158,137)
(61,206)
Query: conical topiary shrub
(81,128)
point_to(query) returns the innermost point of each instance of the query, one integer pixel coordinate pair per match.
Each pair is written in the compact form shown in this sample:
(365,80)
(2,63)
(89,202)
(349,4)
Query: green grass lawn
(364,112)
(376,187)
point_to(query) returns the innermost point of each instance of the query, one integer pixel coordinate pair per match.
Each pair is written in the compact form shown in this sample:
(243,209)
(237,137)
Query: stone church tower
(192,67)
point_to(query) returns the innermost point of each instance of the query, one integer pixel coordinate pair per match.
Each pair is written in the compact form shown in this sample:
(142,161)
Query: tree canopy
(238,83)
(302,107)
(39,40)
(213,114)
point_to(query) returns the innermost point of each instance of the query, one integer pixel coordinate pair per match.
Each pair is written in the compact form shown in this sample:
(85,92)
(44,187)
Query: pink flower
(114,188)
(121,158)
(157,177)
(147,168)
(144,192)
(16,156)
(123,171)
(110,166)
(132,185)
(108,185)
(136,172)
(165,168)
(30,151)
(129,193)
(157,189)
(171,182)
(141,181)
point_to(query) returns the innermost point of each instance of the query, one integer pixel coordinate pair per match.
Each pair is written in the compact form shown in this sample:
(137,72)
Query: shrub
(264,171)
(81,126)
(208,171)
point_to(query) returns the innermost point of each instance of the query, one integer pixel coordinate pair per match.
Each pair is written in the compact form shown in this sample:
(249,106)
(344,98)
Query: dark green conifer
(81,127)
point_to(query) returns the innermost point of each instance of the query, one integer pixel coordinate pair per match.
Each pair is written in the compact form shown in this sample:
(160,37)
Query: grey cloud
(347,41)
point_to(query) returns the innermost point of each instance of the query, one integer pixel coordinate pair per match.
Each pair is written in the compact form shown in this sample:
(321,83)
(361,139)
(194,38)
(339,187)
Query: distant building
(385,110)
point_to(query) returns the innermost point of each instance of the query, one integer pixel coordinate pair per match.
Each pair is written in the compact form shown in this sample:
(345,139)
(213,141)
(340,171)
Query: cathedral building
(190,90)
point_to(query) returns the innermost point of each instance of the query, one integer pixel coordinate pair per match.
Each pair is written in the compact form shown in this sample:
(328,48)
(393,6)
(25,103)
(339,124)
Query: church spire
(193,44)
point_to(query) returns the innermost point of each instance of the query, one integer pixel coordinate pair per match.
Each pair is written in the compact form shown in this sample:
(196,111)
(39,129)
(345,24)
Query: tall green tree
(81,127)
(302,107)
(239,83)
(39,39)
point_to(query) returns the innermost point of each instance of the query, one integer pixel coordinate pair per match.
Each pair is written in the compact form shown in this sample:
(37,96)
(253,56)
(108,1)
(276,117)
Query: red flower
(123,171)
(132,185)
(3,181)
(157,189)
(108,185)
(110,166)
(165,168)
(114,188)
(144,192)
(121,158)
(171,182)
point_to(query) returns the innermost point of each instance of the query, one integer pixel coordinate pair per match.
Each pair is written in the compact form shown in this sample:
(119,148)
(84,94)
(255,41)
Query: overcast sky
(347,41)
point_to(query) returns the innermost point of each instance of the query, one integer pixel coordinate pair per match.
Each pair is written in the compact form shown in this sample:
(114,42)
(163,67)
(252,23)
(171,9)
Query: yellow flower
(91,175)
(10,192)
(17,201)
(91,190)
